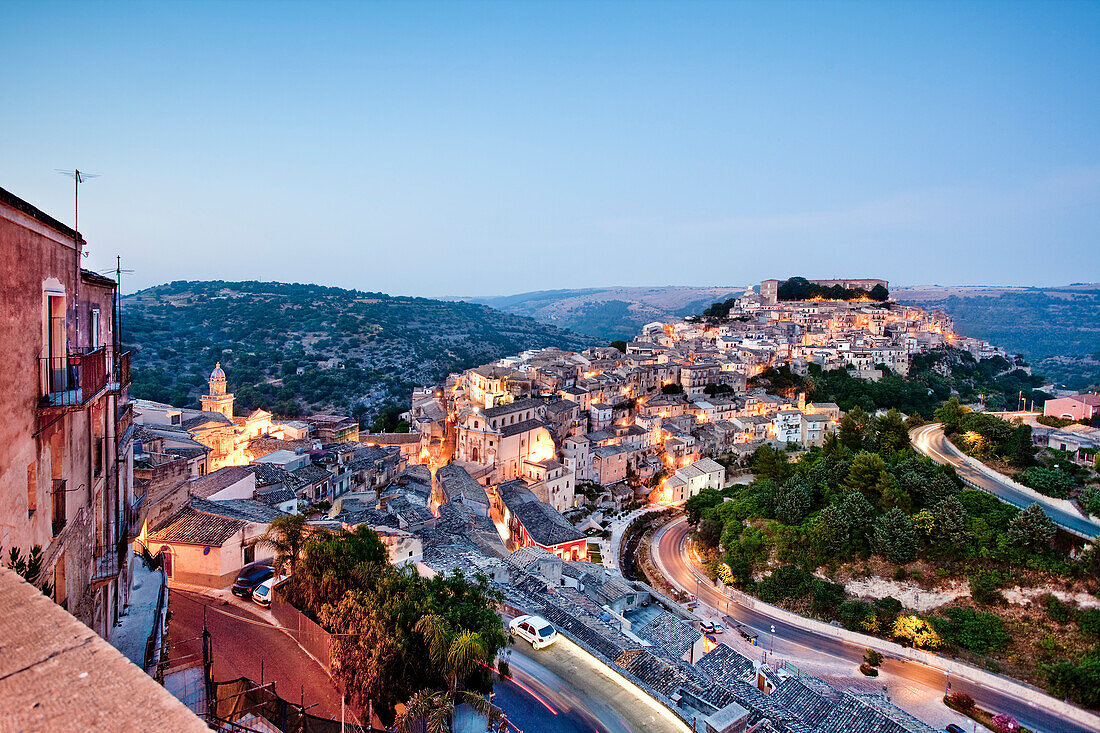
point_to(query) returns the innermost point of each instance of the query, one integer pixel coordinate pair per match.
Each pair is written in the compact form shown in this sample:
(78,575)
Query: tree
(793,501)
(924,522)
(853,428)
(1049,481)
(891,433)
(769,463)
(978,632)
(865,473)
(709,533)
(845,522)
(872,658)
(431,711)
(916,632)
(1032,530)
(985,588)
(951,415)
(672,389)
(879,293)
(894,537)
(949,522)
(286,535)
(620,345)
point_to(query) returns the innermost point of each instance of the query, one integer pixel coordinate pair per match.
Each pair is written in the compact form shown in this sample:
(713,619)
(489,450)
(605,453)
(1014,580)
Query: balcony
(120,372)
(71,381)
(108,565)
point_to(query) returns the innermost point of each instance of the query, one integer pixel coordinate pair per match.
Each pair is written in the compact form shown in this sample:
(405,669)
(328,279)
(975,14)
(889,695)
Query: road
(581,695)
(796,643)
(241,641)
(930,440)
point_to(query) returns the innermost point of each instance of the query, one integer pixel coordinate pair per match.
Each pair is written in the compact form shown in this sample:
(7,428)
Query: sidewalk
(138,619)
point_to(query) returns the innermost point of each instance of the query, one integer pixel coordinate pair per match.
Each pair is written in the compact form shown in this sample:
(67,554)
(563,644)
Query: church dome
(217,375)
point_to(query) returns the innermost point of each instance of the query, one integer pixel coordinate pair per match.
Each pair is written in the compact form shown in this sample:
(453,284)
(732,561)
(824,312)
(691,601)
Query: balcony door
(55,341)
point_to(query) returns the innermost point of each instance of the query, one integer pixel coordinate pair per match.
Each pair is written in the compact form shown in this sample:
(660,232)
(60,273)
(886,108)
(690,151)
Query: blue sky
(492,148)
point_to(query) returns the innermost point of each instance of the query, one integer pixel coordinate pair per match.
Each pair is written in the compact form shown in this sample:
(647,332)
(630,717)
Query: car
(719,628)
(252,575)
(952,728)
(261,594)
(707,627)
(534,629)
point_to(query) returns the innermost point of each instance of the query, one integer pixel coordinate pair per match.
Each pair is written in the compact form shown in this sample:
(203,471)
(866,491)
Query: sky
(464,148)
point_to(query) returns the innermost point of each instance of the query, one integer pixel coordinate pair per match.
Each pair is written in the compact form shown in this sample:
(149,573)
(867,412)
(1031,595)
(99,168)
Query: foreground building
(65,420)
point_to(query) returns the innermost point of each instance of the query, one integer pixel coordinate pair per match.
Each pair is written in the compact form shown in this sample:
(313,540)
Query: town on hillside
(525,473)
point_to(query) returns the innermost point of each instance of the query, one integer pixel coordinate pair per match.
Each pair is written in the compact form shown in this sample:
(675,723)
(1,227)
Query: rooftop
(57,674)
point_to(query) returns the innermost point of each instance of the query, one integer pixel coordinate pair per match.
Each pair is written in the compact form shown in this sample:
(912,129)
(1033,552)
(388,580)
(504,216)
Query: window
(249,554)
(58,506)
(32,488)
(93,325)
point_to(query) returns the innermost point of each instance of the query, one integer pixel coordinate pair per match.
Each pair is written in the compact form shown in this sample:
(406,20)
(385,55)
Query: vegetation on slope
(293,348)
(1057,330)
(866,506)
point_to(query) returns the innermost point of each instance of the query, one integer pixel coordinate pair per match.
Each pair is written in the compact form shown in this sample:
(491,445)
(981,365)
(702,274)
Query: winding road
(798,643)
(930,441)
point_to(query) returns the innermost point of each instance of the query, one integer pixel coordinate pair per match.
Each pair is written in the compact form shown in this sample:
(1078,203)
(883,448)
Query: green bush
(786,582)
(978,632)
(985,588)
(1049,481)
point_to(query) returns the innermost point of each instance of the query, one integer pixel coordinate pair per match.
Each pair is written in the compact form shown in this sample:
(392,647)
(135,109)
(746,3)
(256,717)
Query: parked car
(952,728)
(261,594)
(707,627)
(719,628)
(534,629)
(251,576)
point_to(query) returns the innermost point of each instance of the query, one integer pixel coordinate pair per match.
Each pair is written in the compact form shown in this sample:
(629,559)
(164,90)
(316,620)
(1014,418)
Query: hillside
(265,333)
(613,312)
(1056,329)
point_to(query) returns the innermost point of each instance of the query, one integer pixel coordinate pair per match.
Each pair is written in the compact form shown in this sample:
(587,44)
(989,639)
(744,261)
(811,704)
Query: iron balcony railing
(72,380)
(120,371)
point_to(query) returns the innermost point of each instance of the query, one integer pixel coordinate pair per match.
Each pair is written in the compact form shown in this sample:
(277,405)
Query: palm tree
(431,711)
(454,654)
(286,535)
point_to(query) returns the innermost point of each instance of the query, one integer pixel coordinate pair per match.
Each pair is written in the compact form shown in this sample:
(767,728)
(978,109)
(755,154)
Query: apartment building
(66,471)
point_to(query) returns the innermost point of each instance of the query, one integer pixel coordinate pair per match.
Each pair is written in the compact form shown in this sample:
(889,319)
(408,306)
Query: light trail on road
(669,551)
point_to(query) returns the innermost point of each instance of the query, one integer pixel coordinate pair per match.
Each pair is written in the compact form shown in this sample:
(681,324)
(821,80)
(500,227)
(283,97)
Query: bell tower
(218,400)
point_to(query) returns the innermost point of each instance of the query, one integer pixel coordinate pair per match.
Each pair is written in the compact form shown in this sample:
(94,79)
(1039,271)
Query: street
(584,695)
(930,441)
(241,642)
(926,683)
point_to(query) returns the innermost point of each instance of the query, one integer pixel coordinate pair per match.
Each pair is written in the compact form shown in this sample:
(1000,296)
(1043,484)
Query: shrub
(1089,621)
(915,631)
(1005,723)
(827,596)
(985,588)
(786,582)
(872,658)
(978,632)
(1056,609)
(1050,481)
(868,670)
(960,701)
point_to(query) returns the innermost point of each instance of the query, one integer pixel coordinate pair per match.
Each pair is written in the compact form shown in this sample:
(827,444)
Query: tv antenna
(78,177)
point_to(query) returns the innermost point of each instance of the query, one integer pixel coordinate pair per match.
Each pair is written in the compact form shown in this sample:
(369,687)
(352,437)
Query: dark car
(952,728)
(251,576)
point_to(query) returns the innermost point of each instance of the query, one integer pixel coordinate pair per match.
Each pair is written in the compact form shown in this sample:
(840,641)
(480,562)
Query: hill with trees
(1056,329)
(294,348)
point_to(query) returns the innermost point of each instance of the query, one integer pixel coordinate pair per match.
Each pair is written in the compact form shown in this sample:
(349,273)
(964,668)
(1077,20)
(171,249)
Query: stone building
(66,470)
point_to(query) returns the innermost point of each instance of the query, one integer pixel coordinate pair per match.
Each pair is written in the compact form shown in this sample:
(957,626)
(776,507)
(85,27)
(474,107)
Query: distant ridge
(356,350)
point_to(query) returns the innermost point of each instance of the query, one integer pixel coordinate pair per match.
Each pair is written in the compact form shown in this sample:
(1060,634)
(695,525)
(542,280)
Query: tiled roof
(521,427)
(196,528)
(517,406)
(212,483)
(245,510)
(672,636)
(457,484)
(545,524)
